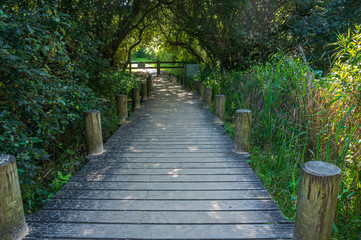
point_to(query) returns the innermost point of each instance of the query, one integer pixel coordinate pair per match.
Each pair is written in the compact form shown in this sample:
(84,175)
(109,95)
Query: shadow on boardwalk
(168,174)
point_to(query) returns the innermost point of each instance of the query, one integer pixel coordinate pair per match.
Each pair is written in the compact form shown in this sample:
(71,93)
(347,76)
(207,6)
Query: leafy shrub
(46,86)
(112,83)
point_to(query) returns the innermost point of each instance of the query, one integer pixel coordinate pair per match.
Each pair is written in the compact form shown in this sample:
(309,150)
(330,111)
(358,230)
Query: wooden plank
(165,178)
(213,171)
(116,150)
(234,164)
(165,186)
(170,154)
(162,195)
(164,160)
(147,143)
(167,147)
(151,139)
(156,217)
(145,231)
(162,205)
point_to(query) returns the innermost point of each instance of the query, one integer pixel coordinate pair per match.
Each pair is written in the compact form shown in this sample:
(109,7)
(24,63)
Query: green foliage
(50,66)
(112,83)
(140,53)
(59,182)
(314,25)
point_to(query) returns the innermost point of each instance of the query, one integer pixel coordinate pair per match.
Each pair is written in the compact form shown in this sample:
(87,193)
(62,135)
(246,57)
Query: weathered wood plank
(156,217)
(170,171)
(166,178)
(166,147)
(170,154)
(162,205)
(162,195)
(240,164)
(165,186)
(167,160)
(164,151)
(144,231)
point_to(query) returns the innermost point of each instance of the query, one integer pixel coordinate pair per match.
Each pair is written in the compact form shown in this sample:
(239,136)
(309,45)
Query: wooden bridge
(168,174)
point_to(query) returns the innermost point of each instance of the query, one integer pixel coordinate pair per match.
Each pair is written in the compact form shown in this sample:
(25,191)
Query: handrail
(158,67)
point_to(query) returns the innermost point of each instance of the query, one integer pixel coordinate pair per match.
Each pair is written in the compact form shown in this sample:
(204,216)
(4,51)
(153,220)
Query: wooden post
(158,68)
(201,90)
(208,97)
(317,200)
(136,98)
(219,106)
(130,67)
(12,220)
(122,106)
(144,91)
(149,85)
(190,84)
(93,129)
(242,130)
(195,86)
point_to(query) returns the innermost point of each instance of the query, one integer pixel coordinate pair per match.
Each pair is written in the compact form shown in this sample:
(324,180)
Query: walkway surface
(168,174)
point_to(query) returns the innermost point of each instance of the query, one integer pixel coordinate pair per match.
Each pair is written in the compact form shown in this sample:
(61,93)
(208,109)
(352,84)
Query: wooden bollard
(201,90)
(122,106)
(93,129)
(219,106)
(149,85)
(242,130)
(208,97)
(190,84)
(317,200)
(195,85)
(144,91)
(136,98)
(158,68)
(12,220)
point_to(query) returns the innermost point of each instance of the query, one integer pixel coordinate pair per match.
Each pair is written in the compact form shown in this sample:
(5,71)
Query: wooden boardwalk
(168,174)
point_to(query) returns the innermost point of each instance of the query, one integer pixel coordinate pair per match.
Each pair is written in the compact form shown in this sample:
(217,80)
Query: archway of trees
(229,34)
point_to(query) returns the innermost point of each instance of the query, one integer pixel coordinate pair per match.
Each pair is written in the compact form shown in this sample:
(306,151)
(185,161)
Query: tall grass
(297,117)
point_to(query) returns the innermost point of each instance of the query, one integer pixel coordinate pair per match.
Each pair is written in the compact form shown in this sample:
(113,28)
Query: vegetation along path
(168,174)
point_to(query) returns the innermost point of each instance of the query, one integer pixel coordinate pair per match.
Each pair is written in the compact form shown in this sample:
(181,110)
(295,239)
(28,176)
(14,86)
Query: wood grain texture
(149,85)
(160,231)
(169,173)
(144,91)
(242,130)
(12,221)
(135,98)
(122,106)
(208,97)
(94,135)
(219,108)
(317,200)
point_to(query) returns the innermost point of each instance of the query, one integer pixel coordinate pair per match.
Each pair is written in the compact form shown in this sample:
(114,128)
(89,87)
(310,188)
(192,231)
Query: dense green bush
(51,74)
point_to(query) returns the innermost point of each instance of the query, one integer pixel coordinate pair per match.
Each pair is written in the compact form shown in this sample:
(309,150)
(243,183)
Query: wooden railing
(158,67)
